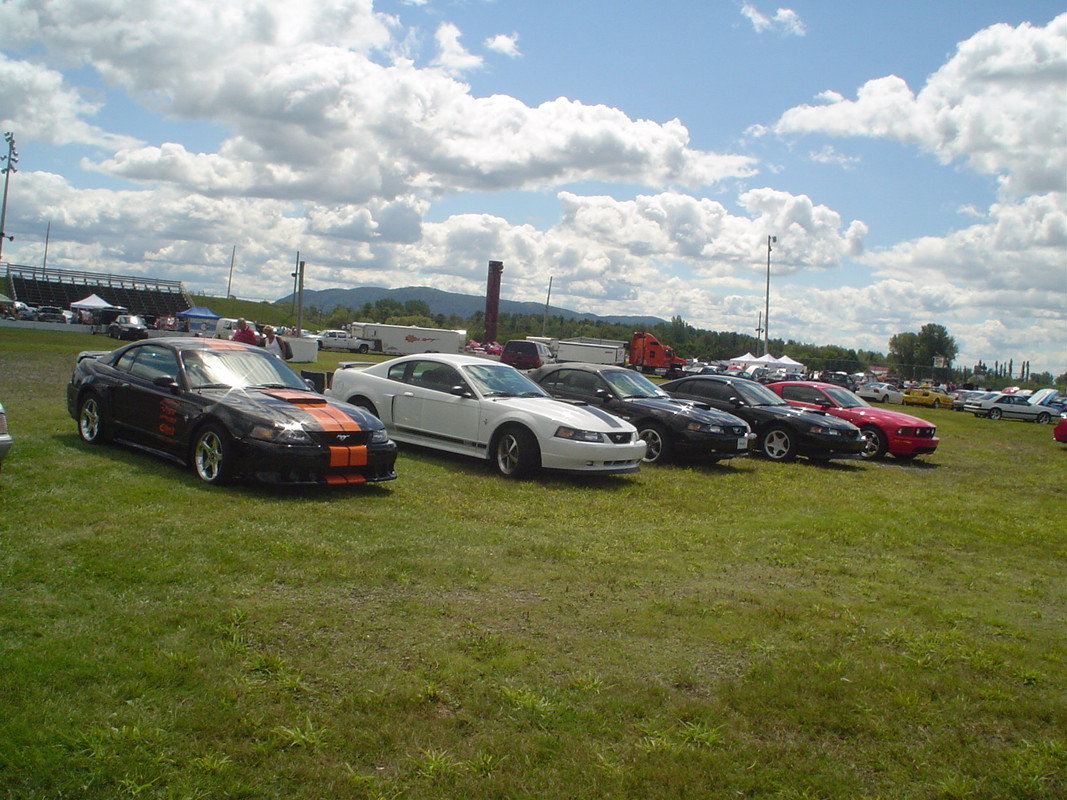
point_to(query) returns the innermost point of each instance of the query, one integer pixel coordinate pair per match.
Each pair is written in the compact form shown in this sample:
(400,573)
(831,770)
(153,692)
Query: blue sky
(911,157)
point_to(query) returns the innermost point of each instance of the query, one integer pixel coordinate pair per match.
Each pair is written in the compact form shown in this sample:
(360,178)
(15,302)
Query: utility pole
(548,298)
(229,283)
(767,301)
(12,159)
(300,295)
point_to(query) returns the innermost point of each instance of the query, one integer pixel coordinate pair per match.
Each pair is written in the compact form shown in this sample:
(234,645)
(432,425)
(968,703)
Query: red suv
(526,354)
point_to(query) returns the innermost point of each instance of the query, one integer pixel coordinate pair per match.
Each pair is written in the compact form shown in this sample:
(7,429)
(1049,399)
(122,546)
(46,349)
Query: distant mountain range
(463,305)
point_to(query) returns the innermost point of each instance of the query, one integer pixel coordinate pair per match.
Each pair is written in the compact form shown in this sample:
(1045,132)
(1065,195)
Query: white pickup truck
(343,340)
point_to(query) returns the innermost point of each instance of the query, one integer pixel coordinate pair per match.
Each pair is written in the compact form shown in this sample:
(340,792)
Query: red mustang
(902,435)
(1059,433)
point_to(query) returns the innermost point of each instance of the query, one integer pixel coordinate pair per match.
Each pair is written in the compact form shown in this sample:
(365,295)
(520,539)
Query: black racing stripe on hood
(609,419)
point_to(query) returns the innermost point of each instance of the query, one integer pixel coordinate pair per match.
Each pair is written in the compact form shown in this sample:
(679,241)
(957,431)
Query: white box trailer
(591,351)
(401,340)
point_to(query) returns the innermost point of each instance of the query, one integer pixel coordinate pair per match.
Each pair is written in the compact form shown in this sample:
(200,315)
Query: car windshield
(239,369)
(132,320)
(627,383)
(500,380)
(844,398)
(756,394)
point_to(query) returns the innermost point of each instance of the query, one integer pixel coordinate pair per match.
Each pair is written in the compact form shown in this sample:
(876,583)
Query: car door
(808,397)
(429,406)
(147,411)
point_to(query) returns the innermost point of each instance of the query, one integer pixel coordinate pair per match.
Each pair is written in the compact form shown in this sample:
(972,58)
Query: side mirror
(167,382)
(459,390)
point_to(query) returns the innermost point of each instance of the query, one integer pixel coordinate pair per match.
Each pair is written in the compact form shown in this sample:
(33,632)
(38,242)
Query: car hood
(691,410)
(897,418)
(810,416)
(575,415)
(308,408)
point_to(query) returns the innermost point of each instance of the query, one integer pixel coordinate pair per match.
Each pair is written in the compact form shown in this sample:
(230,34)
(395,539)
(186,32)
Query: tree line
(928,354)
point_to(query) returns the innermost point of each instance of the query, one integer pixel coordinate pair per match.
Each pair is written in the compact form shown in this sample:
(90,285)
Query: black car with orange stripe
(227,409)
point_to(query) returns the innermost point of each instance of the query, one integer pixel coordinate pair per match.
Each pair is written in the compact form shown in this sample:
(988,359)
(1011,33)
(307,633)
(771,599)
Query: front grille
(621,438)
(341,438)
(925,433)
(736,430)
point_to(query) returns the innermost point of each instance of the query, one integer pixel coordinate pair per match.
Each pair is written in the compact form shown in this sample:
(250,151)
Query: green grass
(746,629)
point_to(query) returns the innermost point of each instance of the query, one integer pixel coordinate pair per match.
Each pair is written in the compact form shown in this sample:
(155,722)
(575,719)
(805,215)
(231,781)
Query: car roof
(194,343)
(816,384)
(455,359)
(586,367)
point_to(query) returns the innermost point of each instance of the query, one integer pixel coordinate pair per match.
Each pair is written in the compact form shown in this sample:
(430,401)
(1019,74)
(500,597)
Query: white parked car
(1011,406)
(472,406)
(881,392)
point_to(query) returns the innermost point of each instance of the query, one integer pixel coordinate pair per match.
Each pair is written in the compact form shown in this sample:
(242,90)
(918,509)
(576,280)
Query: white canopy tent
(91,303)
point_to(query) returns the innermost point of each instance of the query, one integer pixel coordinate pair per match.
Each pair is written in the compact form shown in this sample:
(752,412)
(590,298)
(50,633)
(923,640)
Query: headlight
(379,436)
(703,427)
(819,430)
(291,433)
(576,435)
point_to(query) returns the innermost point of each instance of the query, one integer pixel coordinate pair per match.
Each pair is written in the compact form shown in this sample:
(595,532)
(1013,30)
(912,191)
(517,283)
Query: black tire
(92,427)
(995,413)
(364,348)
(874,443)
(1043,418)
(515,452)
(212,455)
(658,445)
(937,404)
(779,444)
(885,398)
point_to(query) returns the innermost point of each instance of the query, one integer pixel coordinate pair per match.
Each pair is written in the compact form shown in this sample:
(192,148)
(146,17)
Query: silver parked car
(1011,406)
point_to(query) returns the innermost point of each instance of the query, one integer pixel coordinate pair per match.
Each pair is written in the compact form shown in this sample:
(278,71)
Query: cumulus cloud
(39,104)
(785,21)
(997,104)
(504,44)
(452,56)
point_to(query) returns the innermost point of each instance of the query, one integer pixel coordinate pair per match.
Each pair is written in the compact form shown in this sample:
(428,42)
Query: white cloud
(504,44)
(998,104)
(39,105)
(452,57)
(785,21)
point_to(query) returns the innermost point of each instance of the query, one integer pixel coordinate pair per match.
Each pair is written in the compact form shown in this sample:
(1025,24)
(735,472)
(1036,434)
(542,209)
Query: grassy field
(746,629)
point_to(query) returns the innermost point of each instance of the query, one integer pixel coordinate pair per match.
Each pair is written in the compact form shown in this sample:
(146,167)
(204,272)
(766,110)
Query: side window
(721,391)
(154,362)
(803,394)
(432,375)
(577,381)
(399,372)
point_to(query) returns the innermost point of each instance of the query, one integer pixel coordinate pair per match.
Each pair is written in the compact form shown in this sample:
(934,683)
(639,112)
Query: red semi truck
(648,354)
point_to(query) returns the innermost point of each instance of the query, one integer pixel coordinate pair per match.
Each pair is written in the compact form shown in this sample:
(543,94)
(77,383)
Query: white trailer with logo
(402,340)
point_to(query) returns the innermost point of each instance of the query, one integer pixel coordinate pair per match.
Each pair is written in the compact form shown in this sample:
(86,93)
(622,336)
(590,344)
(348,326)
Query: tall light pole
(767,301)
(12,160)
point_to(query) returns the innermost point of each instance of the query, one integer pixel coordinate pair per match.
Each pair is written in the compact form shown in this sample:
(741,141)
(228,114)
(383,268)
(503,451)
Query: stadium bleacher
(40,286)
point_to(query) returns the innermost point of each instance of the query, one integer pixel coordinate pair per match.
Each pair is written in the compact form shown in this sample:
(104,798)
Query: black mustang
(667,425)
(228,409)
(783,431)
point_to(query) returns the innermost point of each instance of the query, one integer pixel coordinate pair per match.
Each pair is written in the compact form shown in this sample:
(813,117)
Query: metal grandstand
(44,286)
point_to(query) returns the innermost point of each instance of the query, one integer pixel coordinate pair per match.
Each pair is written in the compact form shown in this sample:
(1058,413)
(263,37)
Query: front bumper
(913,445)
(592,458)
(274,463)
(718,445)
(825,447)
